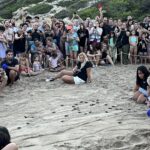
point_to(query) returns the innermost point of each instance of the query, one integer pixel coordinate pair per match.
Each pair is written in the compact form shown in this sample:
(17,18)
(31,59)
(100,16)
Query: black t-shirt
(123,37)
(143,84)
(36,35)
(83,35)
(82,74)
(13,63)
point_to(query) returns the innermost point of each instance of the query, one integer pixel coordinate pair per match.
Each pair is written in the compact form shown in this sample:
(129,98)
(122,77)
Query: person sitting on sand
(140,90)
(5,140)
(55,63)
(24,68)
(3,79)
(94,55)
(37,67)
(11,67)
(82,73)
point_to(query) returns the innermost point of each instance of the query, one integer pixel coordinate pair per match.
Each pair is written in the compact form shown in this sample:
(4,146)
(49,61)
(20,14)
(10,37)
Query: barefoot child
(55,63)
(3,79)
(133,41)
(37,68)
(25,69)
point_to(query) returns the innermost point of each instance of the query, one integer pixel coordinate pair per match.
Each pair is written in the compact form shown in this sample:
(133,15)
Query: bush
(40,9)
(7,11)
(50,1)
(91,12)
(63,14)
(65,3)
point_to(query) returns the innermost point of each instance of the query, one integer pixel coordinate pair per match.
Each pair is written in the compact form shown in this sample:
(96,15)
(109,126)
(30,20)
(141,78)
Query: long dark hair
(114,36)
(145,71)
(4,137)
(82,24)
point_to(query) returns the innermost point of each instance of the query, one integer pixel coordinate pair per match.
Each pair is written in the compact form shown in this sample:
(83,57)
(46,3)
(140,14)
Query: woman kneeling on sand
(141,89)
(5,140)
(79,75)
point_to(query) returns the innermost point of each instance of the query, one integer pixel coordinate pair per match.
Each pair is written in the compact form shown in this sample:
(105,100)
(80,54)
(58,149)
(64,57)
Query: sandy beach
(98,116)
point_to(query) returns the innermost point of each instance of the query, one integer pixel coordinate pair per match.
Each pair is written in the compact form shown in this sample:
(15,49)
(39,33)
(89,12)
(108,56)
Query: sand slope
(96,116)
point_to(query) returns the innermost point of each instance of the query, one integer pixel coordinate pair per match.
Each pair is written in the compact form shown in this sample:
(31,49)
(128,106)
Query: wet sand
(97,116)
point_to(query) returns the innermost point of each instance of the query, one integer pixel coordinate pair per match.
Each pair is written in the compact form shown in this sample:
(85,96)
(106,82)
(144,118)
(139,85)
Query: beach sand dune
(97,116)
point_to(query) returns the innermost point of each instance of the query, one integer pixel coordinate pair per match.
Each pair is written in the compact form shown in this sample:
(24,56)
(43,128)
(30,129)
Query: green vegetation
(7,11)
(66,3)
(114,8)
(50,1)
(40,9)
(123,8)
(89,12)
(63,14)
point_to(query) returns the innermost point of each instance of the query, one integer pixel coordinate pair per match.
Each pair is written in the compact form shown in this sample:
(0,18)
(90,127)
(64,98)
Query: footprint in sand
(92,104)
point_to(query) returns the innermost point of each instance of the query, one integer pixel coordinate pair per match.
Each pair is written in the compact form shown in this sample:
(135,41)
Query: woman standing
(3,43)
(83,34)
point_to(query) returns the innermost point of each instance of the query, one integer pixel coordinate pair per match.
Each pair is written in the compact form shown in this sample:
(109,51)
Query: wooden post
(67,62)
(121,58)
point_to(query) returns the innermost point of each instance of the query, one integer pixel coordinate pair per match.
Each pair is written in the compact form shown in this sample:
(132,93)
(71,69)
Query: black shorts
(9,81)
(104,55)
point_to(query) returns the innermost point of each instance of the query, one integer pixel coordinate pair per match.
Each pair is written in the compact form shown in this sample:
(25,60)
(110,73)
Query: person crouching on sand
(141,93)
(80,74)
(5,140)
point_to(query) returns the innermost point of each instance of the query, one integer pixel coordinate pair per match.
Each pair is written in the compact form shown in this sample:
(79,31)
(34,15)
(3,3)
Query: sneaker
(49,79)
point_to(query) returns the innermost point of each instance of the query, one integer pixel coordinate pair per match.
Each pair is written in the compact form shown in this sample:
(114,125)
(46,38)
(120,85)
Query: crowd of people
(36,45)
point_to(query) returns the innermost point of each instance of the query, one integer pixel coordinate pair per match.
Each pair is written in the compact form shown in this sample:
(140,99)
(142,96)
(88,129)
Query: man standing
(11,67)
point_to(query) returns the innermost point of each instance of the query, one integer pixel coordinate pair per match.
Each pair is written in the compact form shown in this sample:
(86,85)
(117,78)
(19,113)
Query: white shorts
(78,81)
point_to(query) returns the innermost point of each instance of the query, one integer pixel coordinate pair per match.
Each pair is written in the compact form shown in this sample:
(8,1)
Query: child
(5,140)
(25,69)
(3,79)
(140,89)
(37,65)
(55,63)
(133,41)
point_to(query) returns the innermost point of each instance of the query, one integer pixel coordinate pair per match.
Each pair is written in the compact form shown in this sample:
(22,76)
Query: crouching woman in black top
(141,89)
(5,140)
(80,74)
